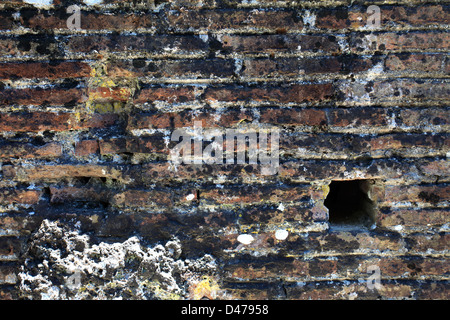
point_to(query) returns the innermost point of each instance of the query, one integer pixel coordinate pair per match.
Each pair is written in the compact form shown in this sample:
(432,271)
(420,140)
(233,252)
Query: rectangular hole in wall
(349,204)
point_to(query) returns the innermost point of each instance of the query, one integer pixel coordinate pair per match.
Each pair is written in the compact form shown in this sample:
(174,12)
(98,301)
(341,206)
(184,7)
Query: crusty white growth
(62,264)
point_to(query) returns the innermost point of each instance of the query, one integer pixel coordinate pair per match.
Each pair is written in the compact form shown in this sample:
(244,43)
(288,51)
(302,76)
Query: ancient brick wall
(357,207)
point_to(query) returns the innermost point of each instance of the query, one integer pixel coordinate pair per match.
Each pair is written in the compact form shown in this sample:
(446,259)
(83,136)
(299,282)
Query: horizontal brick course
(390,41)
(352,268)
(280,43)
(55,172)
(26,151)
(253,194)
(289,94)
(52,97)
(414,217)
(155,44)
(9,196)
(303,66)
(432,194)
(399,16)
(50,121)
(9,248)
(32,70)
(7,275)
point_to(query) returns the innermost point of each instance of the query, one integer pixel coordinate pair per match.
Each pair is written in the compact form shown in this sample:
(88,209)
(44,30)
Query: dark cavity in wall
(349,204)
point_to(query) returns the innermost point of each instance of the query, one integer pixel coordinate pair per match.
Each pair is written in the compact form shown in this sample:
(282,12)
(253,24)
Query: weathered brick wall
(86,117)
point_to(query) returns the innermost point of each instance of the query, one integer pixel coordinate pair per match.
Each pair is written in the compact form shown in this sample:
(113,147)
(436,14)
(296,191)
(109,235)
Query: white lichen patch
(281,234)
(190,197)
(245,239)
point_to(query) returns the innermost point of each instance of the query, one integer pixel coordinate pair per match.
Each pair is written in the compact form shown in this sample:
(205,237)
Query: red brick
(423,193)
(16,226)
(10,226)
(407,141)
(53,97)
(204,68)
(338,18)
(21,150)
(389,41)
(424,117)
(305,117)
(253,194)
(113,146)
(280,43)
(142,198)
(394,91)
(415,16)
(57,172)
(435,290)
(148,173)
(153,44)
(427,242)
(9,196)
(414,218)
(292,170)
(169,95)
(256,270)
(119,21)
(36,121)
(86,147)
(334,145)
(7,275)
(69,194)
(87,121)
(153,144)
(341,267)
(410,267)
(417,62)
(268,212)
(93,21)
(357,117)
(339,170)
(103,95)
(43,121)
(402,16)
(290,94)
(210,119)
(32,70)
(31,45)
(435,168)
(236,19)
(9,249)
(8,171)
(6,19)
